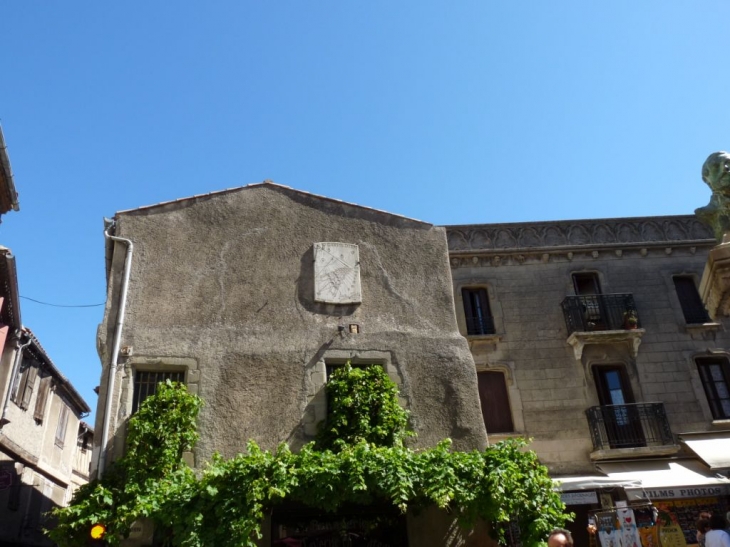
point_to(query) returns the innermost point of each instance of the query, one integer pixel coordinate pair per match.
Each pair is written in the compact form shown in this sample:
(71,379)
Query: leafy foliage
(363,406)
(359,457)
(148,481)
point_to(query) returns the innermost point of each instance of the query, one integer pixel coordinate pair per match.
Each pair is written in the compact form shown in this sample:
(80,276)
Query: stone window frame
(316,382)
(607,356)
(158,364)
(513,394)
(695,282)
(699,388)
(570,283)
(495,306)
(698,331)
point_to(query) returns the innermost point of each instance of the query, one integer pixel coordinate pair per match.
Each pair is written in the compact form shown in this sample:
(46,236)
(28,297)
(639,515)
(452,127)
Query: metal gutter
(116,345)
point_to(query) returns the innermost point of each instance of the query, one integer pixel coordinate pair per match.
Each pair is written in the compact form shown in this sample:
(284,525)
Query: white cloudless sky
(449,112)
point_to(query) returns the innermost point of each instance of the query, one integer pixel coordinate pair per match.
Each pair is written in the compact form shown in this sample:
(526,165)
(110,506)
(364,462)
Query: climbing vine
(359,457)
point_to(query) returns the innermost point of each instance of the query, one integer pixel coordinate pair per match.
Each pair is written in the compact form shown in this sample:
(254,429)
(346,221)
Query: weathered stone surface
(549,388)
(227,281)
(715,284)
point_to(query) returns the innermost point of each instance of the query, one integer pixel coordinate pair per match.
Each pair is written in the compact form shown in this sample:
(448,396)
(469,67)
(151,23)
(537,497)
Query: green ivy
(149,480)
(359,457)
(363,406)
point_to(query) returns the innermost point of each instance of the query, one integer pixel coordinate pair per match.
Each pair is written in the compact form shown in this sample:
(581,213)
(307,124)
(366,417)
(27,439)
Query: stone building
(44,448)
(590,337)
(252,295)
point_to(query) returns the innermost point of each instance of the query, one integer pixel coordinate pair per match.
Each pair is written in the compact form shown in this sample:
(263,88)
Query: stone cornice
(612,233)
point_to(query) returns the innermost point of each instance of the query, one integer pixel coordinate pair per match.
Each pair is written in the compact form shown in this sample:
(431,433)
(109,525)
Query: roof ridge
(268,182)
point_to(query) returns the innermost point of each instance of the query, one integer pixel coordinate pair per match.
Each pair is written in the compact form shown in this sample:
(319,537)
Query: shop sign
(579,498)
(678,493)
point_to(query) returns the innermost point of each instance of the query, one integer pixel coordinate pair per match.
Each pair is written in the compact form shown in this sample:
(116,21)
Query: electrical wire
(63,305)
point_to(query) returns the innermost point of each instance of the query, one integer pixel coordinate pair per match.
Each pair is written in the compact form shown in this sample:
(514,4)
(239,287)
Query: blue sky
(449,112)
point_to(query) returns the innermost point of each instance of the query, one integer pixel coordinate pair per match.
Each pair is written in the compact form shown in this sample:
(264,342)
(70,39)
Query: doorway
(621,418)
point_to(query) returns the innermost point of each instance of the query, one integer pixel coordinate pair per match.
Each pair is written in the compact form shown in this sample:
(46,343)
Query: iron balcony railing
(483,324)
(600,312)
(629,426)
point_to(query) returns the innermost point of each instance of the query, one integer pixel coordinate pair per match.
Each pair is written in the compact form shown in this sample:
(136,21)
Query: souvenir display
(609,532)
(629,532)
(670,532)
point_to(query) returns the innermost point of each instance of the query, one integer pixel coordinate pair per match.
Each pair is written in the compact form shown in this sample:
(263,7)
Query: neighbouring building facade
(590,337)
(252,295)
(44,447)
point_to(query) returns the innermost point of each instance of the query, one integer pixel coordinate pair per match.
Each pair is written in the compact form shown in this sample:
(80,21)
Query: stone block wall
(526,284)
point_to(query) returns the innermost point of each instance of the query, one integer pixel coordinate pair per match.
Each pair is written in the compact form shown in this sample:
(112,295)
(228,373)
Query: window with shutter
(42,398)
(24,384)
(21,378)
(32,373)
(62,425)
(495,402)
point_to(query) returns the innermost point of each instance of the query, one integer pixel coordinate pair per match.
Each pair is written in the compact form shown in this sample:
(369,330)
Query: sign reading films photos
(678,493)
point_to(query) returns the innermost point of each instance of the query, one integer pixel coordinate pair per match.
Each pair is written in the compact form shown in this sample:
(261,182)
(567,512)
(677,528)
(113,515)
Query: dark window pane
(715,376)
(477,313)
(692,306)
(586,283)
(145,384)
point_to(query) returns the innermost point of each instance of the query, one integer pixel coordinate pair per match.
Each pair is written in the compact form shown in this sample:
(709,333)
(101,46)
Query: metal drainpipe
(16,364)
(115,348)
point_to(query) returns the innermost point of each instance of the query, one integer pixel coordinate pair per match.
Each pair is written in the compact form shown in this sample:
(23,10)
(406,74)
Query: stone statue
(716,174)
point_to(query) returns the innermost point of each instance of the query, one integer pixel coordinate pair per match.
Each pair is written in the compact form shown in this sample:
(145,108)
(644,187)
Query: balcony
(480,325)
(600,319)
(597,312)
(639,429)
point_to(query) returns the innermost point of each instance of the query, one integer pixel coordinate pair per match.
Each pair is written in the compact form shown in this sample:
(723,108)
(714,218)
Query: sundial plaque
(337,273)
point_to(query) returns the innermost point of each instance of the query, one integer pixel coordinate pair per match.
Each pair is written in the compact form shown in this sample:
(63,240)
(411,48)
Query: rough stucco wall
(227,280)
(555,388)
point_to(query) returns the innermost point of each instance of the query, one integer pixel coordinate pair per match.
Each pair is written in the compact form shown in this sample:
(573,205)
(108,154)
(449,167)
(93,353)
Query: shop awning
(668,479)
(591,482)
(711,448)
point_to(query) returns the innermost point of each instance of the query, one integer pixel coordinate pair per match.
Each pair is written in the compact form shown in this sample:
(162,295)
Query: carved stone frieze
(593,233)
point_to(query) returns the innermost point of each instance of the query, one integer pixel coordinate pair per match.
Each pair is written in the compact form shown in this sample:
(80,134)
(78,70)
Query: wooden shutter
(62,425)
(40,403)
(495,402)
(31,373)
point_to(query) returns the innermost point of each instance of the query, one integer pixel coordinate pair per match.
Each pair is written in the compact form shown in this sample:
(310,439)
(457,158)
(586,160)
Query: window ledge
(496,437)
(621,453)
(483,341)
(710,325)
(721,424)
(581,339)
(702,331)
